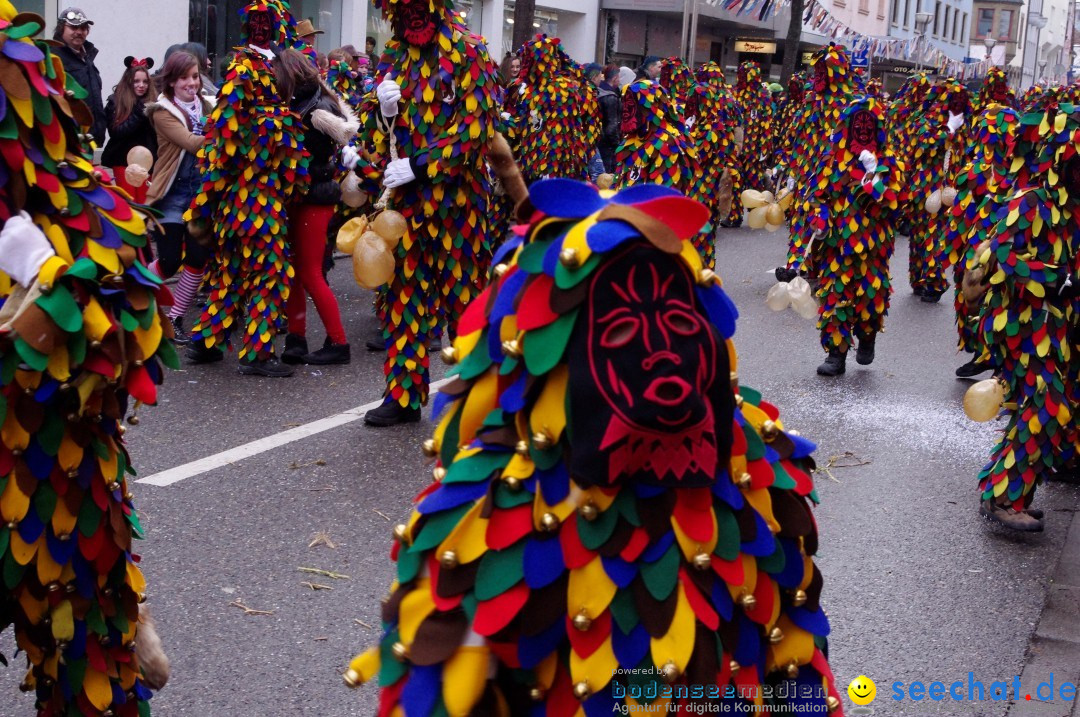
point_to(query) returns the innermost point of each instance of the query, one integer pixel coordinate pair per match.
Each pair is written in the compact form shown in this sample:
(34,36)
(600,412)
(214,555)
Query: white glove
(791,184)
(389,95)
(23,249)
(349,157)
(398,172)
(955,121)
(868,161)
(505,116)
(690,122)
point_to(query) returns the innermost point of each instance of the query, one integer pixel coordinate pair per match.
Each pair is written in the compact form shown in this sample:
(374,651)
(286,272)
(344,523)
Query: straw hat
(304,28)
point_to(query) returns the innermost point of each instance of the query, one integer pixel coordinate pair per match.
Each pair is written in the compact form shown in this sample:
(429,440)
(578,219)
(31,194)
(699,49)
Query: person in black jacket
(610,116)
(78,55)
(125,115)
(329,125)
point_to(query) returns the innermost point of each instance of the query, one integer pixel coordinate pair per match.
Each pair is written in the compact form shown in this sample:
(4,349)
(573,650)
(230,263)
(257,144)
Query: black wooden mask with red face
(957,104)
(631,114)
(862,132)
(414,22)
(821,76)
(258,28)
(1071,176)
(650,397)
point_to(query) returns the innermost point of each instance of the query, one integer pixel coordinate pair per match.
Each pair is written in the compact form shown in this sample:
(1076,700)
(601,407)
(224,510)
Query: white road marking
(261,445)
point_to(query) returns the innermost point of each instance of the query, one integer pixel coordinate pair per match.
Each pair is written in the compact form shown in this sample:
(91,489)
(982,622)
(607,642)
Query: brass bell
(73,473)
(430,448)
(748,602)
(769,431)
(12,524)
(792,670)
(521,448)
(114,486)
(512,348)
(401,652)
(512,483)
(793,432)
(401,531)
(448,559)
(500,269)
(734,666)
(95,344)
(54,587)
(549,522)
(832,703)
(581,621)
(351,677)
(702,561)
(744,480)
(581,690)
(708,277)
(738,401)
(798,599)
(670,672)
(63,537)
(128,495)
(536,694)
(449,355)
(569,258)
(589,512)
(733,376)
(133,419)
(438,473)
(45,287)
(776,635)
(542,440)
(121,429)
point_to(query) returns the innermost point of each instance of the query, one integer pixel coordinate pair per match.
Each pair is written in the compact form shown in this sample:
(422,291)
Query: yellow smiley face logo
(862,690)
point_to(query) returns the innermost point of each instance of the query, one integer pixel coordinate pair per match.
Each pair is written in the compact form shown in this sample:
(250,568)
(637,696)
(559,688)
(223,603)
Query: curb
(1054,650)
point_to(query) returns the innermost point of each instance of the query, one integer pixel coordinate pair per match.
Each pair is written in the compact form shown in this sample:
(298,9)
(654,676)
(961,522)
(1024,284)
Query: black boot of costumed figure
(1024,521)
(391,413)
(865,355)
(835,364)
(295,348)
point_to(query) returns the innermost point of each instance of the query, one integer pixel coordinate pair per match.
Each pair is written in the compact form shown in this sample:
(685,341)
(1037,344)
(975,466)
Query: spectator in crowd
(595,74)
(352,56)
(373,57)
(610,116)
(125,116)
(307,32)
(209,89)
(626,76)
(650,68)
(508,68)
(77,54)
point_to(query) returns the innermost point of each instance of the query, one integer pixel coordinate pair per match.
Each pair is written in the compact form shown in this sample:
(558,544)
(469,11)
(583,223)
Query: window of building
(881,9)
(963,27)
(907,13)
(544,21)
(1004,24)
(945,23)
(986,23)
(937,18)
(864,7)
(895,11)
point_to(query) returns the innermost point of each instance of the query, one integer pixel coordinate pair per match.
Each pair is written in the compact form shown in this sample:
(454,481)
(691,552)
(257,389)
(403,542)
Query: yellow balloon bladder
(983,400)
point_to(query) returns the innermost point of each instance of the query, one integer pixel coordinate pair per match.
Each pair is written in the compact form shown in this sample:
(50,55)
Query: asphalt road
(916,586)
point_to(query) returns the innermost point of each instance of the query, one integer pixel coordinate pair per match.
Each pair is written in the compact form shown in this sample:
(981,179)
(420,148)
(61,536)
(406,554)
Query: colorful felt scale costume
(656,150)
(252,165)
(904,113)
(983,187)
(609,515)
(856,200)
(756,103)
(449,111)
(554,114)
(341,79)
(939,151)
(995,90)
(1028,320)
(678,80)
(833,89)
(81,335)
(709,123)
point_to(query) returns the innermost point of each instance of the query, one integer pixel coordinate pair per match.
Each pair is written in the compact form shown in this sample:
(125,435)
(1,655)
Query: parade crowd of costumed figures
(612,508)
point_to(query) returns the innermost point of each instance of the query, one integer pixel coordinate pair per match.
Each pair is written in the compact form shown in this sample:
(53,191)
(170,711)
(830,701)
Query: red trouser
(307,238)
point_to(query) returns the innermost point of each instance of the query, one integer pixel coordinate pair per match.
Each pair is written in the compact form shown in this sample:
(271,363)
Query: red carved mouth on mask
(667,391)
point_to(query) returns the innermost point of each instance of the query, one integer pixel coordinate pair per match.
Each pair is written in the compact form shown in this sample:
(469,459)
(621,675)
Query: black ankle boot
(377,342)
(835,364)
(391,413)
(785,274)
(295,348)
(929,296)
(865,355)
(330,353)
(973,368)
(198,353)
(269,367)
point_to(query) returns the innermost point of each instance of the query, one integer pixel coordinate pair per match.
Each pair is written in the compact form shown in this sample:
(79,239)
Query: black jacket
(134,131)
(328,125)
(83,71)
(610,115)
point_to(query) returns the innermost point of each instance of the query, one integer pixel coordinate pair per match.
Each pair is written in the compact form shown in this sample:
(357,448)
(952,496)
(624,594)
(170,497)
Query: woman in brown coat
(178,116)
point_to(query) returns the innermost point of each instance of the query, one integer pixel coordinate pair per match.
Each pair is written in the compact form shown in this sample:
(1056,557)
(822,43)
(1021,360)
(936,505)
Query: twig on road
(834,462)
(358,621)
(388,518)
(316,586)
(324,573)
(317,462)
(238,602)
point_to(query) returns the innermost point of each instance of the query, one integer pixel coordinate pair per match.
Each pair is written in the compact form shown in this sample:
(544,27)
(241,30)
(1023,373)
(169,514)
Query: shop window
(1004,24)
(985,23)
(544,22)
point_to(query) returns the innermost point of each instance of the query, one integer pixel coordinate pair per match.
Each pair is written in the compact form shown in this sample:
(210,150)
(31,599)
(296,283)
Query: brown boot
(1022,521)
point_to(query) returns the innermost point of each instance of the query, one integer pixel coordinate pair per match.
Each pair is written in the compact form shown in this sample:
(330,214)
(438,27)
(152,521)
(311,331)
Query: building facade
(999,22)
(949,29)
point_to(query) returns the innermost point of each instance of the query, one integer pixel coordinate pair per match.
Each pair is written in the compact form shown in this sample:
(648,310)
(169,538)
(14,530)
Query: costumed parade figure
(1028,320)
(345,83)
(713,133)
(904,112)
(81,336)
(807,144)
(252,166)
(678,80)
(756,104)
(611,512)
(656,150)
(938,152)
(856,201)
(983,187)
(995,90)
(435,114)
(554,121)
